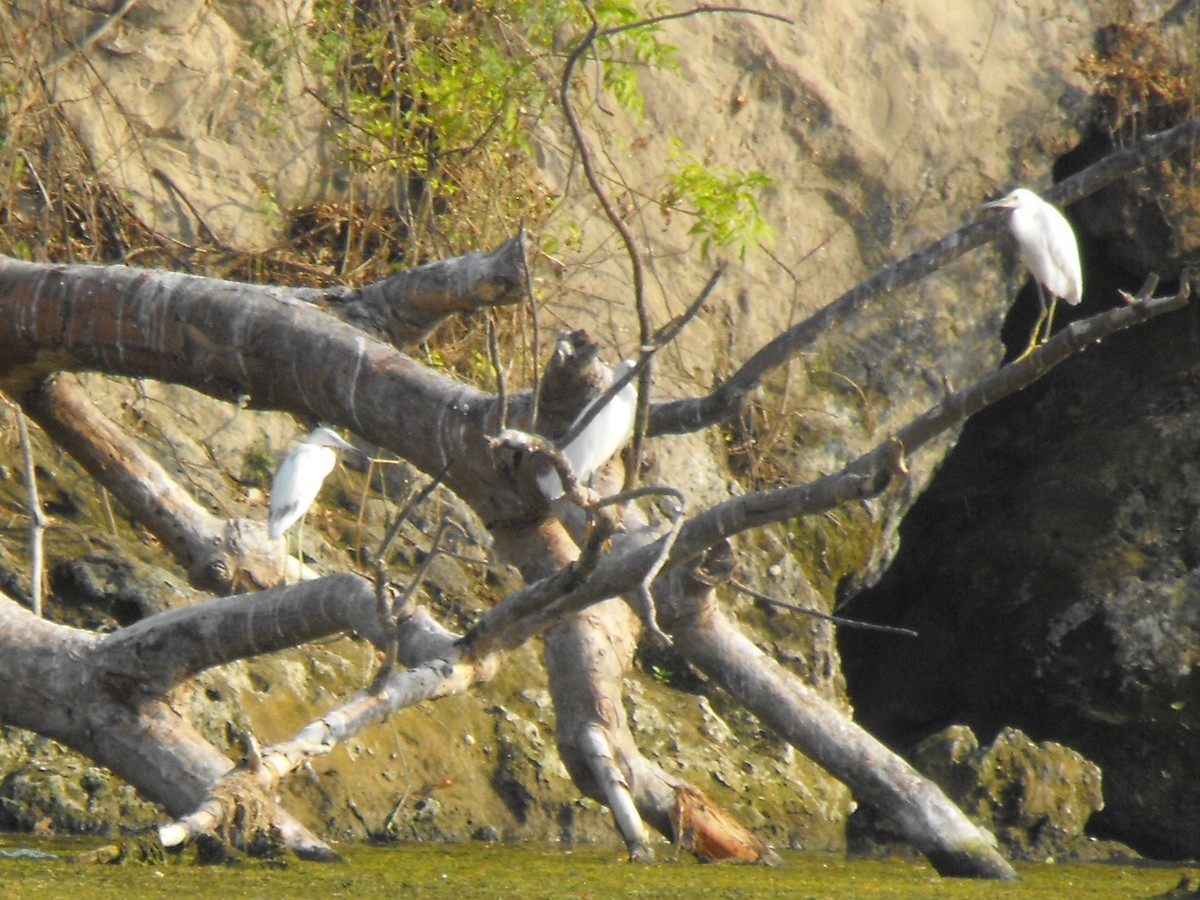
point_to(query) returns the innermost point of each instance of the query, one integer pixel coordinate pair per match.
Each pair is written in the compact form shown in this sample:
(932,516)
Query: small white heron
(298,480)
(603,437)
(1049,251)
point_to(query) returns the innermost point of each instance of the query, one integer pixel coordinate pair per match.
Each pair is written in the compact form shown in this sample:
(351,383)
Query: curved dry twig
(637,267)
(393,610)
(647,610)
(641,421)
(401,517)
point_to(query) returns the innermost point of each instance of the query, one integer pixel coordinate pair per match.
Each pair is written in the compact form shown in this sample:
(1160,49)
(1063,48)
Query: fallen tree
(318,354)
(337,355)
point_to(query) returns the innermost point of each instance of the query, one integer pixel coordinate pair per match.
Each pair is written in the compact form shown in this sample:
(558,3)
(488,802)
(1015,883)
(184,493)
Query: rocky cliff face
(882,127)
(1051,571)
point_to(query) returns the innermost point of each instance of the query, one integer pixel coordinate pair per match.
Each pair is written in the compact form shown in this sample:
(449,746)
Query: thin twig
(641,419)
(649,612)
(498,368)
(535,337)
(637,267)
(817,614)
(695,11)
(660,339)
(108,510)
(86,44)
(49,204)
(394,528)
(394,611)
(203,228)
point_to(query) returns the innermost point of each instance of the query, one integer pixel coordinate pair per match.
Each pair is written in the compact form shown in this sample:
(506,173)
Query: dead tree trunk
(234,340)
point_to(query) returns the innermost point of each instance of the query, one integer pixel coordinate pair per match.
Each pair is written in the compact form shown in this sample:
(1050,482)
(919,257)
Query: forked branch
(695,413)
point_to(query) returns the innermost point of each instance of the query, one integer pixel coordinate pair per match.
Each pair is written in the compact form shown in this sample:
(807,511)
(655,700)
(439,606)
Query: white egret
(1049,251)
(298,480)
(604,436)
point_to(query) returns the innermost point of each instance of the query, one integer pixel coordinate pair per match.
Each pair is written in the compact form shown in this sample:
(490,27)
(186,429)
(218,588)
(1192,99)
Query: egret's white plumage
(1048,249)
(299,478)
(603,437)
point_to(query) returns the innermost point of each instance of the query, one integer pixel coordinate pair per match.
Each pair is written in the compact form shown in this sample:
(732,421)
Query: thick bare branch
(877,776)
(408,305)
(233,340)
(525,612)
(52,687)
(162,650)
(694,413)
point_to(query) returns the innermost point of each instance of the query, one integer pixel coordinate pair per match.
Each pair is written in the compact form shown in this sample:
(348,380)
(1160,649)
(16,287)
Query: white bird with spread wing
(603,437)
(1048,249)
(299,479)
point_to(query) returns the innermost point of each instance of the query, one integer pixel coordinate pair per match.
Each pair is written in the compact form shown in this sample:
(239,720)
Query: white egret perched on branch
(1048,249)
(298,480)
(603,437)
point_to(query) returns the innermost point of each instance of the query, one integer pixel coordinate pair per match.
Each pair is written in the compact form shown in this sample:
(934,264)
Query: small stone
(485,833)
(426,810)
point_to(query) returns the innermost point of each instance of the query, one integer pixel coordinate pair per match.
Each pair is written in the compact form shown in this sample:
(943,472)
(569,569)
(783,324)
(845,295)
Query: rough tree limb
(505,625)
(119,683)
(54,687)
(408,305)
(877,776)
(695,413)
(221,555)
(234,340)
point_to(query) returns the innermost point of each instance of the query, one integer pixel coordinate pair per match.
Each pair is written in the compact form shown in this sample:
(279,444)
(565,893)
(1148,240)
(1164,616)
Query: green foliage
(258,465)
(721,200)
(439,99)
(624,53)
(435,106)
(444,97)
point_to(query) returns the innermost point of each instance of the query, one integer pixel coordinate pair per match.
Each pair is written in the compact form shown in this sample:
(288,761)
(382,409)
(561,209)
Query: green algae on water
(471,870)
